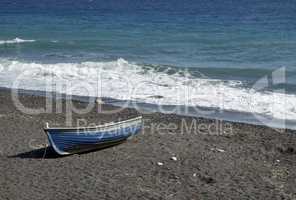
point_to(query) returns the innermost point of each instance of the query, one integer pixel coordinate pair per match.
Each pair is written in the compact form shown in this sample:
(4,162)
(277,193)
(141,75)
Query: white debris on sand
(159,163)
(99,101)
(217,149)
(174,158)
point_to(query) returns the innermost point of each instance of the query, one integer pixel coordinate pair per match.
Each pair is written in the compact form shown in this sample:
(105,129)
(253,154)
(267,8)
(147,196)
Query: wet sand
(234,161)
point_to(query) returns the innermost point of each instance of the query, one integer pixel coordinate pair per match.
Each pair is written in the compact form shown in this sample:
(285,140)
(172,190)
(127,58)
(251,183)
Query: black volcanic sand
(249,162)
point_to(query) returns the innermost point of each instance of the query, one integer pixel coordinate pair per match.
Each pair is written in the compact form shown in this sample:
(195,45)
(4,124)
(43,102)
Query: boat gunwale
(94,127)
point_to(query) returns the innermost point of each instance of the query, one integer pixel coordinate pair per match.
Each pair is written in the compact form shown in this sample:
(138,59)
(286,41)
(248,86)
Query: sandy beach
(173,162)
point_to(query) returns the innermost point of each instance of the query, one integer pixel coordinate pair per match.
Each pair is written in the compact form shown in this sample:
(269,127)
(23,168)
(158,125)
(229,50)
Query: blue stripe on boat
(66,141)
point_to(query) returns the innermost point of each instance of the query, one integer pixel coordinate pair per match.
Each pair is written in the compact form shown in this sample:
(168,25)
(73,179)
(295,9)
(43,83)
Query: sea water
(231,56)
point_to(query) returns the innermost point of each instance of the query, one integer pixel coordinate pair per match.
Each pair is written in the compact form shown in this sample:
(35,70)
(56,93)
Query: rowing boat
(67,141)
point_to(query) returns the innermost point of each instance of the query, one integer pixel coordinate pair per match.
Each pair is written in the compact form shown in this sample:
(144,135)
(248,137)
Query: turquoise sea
(237,56)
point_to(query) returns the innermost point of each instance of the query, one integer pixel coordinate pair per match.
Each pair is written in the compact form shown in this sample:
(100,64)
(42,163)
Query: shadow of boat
(49,152)
(42,153)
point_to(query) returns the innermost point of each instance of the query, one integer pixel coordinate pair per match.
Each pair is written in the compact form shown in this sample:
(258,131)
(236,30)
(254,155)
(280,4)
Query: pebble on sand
(99,101)
(217,149)
(174,158)
(159,163)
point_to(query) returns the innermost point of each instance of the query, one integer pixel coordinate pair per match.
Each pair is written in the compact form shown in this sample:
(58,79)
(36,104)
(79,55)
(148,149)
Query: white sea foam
(127,81)
(15,41)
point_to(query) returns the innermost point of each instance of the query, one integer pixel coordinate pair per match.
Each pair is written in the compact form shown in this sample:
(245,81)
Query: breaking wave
(123,80)
(15,41)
